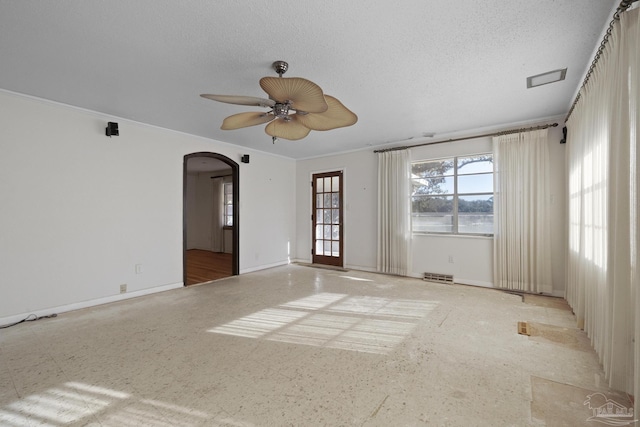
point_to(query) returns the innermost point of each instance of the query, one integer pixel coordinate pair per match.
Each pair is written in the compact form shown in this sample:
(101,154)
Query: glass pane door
(327,218)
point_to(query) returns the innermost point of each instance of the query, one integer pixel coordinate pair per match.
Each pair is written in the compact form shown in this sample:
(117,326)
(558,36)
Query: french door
(327,218)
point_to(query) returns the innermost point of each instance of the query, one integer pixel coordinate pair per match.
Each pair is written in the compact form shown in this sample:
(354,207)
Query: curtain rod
(504,132)
(624,5)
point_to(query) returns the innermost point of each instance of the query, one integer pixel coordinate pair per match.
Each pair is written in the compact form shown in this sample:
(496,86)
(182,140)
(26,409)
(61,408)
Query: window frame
(227,219)
(455,195)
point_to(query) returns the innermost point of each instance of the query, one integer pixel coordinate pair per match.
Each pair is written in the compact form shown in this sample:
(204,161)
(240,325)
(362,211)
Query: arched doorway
(210,220)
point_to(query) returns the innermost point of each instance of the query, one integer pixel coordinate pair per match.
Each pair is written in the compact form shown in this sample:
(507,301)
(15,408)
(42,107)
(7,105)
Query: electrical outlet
(451,259)
(123,288)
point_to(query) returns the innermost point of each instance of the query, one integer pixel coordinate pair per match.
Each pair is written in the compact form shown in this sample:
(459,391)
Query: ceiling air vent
(546,78)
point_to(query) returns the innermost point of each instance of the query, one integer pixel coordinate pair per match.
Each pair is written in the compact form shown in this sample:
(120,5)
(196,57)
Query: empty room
(422,213)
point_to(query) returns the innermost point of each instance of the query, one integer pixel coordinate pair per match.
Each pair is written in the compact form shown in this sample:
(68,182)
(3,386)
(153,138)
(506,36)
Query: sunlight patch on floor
(357,323)
(358,279)
(73,402)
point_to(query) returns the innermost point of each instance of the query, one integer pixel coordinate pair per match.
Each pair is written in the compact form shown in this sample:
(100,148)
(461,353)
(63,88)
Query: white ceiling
(404,67)
(207,164)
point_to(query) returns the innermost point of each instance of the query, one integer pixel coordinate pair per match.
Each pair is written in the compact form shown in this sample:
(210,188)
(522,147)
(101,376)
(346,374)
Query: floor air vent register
(440,278)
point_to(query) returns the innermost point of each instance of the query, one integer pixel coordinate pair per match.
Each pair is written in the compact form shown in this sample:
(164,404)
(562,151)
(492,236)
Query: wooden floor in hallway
(205,266)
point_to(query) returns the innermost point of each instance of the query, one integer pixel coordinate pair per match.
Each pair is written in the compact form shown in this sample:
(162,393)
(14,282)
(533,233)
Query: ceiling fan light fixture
(281,110)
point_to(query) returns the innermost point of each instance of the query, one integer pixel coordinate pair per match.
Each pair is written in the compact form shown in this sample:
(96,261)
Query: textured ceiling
(405,67)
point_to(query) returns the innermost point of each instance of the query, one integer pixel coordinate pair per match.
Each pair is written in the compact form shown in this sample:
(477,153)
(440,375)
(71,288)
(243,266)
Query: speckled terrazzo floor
(300,346)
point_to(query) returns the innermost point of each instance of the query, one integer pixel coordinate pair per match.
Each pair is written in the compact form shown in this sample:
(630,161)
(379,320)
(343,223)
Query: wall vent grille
(440,278)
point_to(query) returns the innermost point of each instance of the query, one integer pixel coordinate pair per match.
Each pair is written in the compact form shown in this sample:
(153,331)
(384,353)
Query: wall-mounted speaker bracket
(112,129)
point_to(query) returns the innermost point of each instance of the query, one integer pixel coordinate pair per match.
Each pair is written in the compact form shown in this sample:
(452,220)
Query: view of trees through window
(453,195)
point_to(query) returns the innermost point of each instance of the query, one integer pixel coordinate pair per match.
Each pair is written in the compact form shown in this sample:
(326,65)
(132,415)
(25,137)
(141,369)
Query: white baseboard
(361,268)
(475,283)
(346,266)
(90,303)
(471,282)
(263,267)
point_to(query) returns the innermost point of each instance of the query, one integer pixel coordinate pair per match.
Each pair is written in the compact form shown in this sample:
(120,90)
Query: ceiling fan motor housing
(281,110)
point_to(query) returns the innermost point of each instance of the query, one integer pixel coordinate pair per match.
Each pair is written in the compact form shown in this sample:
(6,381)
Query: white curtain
(217,215)
(522,240)
(604,270)
(394,212)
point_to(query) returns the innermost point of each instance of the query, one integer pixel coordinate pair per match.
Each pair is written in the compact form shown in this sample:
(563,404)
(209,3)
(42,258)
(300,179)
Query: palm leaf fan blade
(303,94)
(336,116)
(241,100)
(243,120)
(287,129)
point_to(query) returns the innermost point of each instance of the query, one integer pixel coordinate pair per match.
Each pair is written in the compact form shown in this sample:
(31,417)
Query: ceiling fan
(297,106)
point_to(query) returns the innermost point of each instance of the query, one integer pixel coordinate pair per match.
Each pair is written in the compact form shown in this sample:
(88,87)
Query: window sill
(459,235)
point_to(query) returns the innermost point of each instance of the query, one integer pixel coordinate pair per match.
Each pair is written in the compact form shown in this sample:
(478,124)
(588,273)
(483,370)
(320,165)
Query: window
(453,196)
(228,204)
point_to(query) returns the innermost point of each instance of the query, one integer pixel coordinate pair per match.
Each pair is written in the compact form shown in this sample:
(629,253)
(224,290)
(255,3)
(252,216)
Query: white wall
(204,213)
(360,210)
(472,256)
(192,211)
(200,213)
(79,210)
